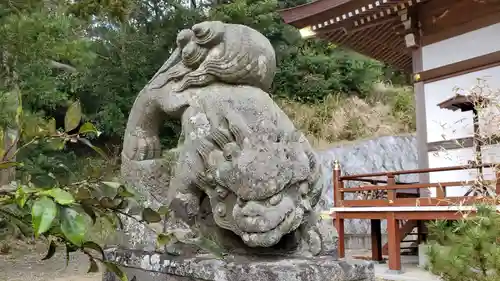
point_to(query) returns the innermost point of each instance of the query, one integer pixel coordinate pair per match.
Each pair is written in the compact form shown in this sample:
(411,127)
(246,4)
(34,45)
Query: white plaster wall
(456,157)
(465,46)
(439,159)
(444,124)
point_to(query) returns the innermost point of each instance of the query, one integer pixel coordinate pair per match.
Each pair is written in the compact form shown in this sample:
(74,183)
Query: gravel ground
(24,263)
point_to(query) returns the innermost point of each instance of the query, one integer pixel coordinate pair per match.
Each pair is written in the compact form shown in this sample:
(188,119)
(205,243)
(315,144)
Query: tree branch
(60,65)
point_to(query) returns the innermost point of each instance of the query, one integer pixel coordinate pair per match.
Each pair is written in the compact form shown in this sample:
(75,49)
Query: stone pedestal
(147,266)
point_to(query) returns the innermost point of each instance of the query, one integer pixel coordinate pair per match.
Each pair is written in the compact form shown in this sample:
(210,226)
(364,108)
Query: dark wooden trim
(459,68)
(318,11)
(466,142)
(475,24)
(416,171)
(410,215)
(406,186)
(424,201)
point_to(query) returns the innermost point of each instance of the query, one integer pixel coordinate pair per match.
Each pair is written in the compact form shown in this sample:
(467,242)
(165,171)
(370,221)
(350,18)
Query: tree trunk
(9,139)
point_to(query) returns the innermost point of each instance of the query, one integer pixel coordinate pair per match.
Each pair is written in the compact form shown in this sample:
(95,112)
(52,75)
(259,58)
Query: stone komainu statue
(244,173)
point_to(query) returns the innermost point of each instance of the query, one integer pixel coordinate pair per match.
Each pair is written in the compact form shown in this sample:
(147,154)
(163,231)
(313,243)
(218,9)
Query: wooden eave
(370,27)
(462,102)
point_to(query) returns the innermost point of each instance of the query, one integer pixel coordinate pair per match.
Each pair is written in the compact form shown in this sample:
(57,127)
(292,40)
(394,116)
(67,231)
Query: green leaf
(60,196)
(51,126)
(90,212)
(43,213)
(95,148)
(93,266)
(205,244)
(163,211)
(94,246)
(73,117)
(21,197)
(210,246)
(123,192)
(88,128)
(74,225)
(51,251)
(82,193)
(116,270)
(107,202)
(6,165)
(56,143)
(150,216)
(164,239)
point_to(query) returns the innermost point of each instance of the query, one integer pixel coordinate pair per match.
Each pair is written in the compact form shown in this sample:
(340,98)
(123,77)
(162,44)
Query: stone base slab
(148,266)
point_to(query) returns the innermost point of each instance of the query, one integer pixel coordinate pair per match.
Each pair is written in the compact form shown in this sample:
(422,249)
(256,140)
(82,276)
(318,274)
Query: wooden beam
(321,10)
(459,68)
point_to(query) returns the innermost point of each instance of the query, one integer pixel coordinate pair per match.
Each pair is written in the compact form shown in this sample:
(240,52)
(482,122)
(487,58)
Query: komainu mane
(244,173)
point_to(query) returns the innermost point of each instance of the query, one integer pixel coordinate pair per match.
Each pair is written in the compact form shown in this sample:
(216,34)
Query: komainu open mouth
(271,237)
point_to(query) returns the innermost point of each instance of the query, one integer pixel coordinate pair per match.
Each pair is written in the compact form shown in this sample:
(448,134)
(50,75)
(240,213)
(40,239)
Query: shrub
(467,249)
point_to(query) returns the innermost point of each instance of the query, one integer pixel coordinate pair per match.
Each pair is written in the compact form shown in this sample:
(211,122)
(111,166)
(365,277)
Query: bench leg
(376,232)
(394,244)
(339,225)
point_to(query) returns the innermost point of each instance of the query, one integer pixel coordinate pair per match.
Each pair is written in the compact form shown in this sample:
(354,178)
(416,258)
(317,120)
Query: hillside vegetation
(387,111)
(101,54)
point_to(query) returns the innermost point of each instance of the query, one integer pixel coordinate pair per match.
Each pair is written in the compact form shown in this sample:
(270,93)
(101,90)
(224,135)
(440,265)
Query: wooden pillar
(376,240)
(391,194)
(339,225)
(441,192)
(421,231)
(338,196)
(9,147)
(394,243)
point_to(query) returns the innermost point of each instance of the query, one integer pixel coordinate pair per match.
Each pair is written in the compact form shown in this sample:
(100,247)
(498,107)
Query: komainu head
(215,51)
(261,187)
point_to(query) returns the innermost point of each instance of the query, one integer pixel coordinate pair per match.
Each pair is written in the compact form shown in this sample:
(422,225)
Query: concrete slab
(410,270)
(409,273)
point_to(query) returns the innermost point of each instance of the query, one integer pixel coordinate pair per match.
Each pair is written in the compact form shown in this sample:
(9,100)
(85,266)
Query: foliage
(308,71)
(103,52)
(341,118)
(40,50)
(467,249)
(63,213)
(128,53)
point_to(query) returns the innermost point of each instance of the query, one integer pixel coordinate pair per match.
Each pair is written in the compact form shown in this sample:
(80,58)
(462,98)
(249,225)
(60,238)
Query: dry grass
(388,111)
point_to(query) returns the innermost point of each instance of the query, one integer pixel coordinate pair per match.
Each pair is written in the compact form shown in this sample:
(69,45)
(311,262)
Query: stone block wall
(391,153)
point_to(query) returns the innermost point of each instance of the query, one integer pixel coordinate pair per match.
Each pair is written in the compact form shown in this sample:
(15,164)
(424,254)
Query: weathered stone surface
(155,267)
(243,174)
(391,153)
